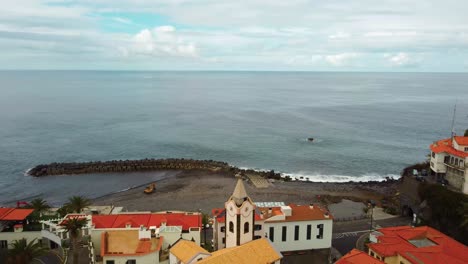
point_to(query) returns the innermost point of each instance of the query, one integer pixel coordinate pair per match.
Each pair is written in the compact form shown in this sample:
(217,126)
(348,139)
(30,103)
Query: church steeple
(239,196)
(240,216)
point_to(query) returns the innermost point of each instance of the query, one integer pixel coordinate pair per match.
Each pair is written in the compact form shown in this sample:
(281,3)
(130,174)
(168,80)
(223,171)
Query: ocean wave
(318,177)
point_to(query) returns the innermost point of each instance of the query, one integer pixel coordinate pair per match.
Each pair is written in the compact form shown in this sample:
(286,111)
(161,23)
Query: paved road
(345,234)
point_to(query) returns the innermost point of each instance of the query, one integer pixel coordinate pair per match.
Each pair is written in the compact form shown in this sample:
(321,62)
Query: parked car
(423,172)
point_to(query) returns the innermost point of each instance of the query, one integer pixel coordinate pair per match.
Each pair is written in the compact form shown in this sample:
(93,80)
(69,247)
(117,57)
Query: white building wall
(437,163)
(152,258)
(12,236)
(302,243)
(247,214)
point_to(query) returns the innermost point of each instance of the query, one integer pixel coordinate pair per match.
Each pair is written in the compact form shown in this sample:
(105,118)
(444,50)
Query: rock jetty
(114,166)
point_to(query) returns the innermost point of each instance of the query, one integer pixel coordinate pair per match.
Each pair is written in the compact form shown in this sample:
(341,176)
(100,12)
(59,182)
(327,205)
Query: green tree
(73,227)
(39,205)
(77,203)
(23,252)
(466,133)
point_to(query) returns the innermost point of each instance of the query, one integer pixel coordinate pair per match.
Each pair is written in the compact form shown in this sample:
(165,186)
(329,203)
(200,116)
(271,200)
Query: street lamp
(371,205)
(204,231)
(199,221)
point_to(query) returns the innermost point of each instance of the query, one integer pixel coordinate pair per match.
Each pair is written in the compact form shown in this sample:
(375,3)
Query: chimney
(269,210)
(326,214)
(128,225)
(311,206)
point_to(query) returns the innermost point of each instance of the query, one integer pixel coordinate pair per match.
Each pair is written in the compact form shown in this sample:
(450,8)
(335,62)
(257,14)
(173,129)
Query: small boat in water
(310,139)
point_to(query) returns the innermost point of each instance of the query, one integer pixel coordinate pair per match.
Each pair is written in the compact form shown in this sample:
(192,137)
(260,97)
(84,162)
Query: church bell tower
(240,217)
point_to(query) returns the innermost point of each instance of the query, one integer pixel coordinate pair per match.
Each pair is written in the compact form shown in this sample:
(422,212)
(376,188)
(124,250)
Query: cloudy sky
(311,35)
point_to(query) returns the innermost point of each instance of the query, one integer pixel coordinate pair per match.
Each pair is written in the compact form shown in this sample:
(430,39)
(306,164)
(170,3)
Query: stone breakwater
(126,166)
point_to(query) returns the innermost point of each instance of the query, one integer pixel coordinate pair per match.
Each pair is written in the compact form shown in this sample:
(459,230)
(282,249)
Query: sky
(286,35)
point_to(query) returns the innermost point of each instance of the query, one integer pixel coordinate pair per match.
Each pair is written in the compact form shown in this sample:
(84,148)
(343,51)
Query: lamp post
(371,205)
(205,227)
(199,221)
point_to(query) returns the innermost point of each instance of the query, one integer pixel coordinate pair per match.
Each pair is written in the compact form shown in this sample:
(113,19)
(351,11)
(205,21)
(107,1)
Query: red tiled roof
(13,214)
(299,213)
(358,257)
(461,140)
(445,145)
(395,240)
(147,219)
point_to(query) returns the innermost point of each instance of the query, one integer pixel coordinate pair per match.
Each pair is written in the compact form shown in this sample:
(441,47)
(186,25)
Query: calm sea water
(367,125)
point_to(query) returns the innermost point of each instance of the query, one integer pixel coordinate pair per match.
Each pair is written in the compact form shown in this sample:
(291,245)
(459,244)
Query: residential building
(416,245)
(15,226)
(449,160)
(130,247)
(259,251)
(172,225)
(358,257)
(289,227)
(54,233)
(187,252)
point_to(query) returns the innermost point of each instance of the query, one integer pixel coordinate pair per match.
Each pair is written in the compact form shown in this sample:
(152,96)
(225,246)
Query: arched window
(246,227)
(231,227)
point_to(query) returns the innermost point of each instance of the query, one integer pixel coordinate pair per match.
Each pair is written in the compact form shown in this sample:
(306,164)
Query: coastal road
(345,234)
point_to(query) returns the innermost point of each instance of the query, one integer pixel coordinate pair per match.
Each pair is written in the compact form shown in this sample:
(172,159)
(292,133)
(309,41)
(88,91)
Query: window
(258,227)
(320,234)
(224,240)
(272,234)
(223,229)
(372,254)
(110,262)
(231,227)
(3,244)
(309,232)
(257,237)
(433,154)
(283,235)
(246,227)
(131,261)
(296,232)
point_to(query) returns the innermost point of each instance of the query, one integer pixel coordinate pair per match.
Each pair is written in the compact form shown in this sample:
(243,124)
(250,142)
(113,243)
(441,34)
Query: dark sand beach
(205,190)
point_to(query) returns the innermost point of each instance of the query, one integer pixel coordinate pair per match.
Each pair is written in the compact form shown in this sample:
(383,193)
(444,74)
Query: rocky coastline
(122,166)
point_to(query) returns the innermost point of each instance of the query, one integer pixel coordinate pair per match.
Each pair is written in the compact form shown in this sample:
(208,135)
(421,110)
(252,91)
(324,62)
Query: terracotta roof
(14,214)
(259,251)
(358,257)
(126,243)
(407,241)
(186,250)
(298,213)
(186,220)
(445,145)
(461,140)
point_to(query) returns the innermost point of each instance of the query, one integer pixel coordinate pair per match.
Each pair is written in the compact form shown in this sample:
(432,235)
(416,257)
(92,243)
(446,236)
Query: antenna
(453,120)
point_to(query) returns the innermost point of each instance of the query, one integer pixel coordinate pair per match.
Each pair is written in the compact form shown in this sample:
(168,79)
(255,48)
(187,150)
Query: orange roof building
(358,257)
(130,246)
(449,158)
(417,245)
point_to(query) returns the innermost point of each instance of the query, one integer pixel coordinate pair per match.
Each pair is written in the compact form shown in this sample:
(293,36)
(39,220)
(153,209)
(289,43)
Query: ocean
(366,126)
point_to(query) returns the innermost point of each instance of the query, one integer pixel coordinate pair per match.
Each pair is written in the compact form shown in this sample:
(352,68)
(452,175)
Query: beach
(205,190)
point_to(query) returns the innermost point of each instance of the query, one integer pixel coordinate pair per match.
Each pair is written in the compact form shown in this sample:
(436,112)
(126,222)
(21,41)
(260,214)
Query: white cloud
(401,59)
(341,59)
(340,35)
(161,41)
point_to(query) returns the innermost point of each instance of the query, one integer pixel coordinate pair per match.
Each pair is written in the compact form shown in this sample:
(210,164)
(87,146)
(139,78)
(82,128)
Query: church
(290,228)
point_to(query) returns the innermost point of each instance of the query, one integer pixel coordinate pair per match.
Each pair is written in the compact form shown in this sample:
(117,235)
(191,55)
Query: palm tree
(39,205)
(73,226)
(77,203)
(23,252)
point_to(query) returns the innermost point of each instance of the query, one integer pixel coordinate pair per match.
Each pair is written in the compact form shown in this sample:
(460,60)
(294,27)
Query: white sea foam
(339,178)
(318,177)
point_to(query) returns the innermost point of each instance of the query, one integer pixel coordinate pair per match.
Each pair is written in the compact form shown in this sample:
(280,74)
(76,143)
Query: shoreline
(205,190)
(127,166)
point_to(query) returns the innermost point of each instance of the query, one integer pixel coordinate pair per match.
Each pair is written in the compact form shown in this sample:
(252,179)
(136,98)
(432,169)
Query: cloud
(160,41)
(401,59)
(341,59)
